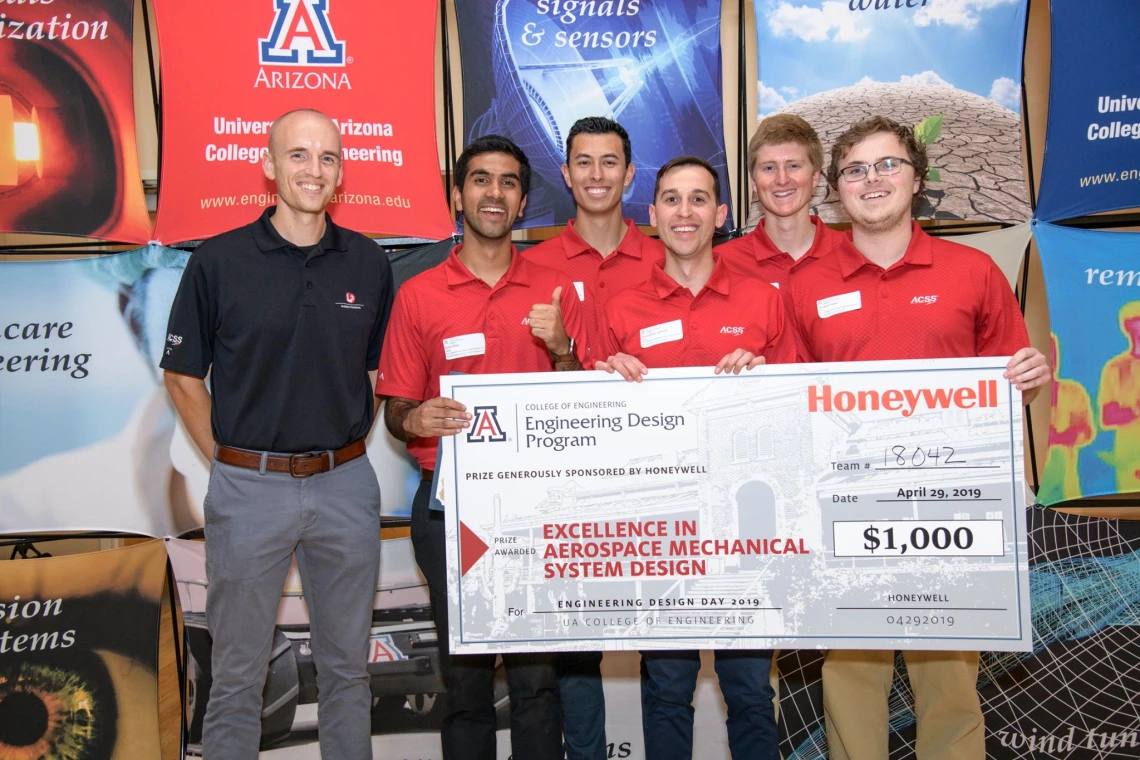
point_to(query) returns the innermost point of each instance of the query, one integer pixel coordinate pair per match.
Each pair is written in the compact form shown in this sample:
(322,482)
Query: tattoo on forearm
(396,410)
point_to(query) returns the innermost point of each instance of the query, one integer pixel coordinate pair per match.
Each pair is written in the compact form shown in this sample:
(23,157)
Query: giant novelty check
(866,505)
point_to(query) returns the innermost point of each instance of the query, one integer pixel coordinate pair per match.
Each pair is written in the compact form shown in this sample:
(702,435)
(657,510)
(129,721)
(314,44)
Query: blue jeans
(583,705)
(668,681)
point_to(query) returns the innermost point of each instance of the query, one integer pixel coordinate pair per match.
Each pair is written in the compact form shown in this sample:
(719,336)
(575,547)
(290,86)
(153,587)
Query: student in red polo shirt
(785,158)
(695,311)
(602,252)
(485,309)
(890,291)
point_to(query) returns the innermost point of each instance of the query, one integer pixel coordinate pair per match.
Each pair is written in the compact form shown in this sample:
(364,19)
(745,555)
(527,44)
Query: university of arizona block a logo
(485,427)
(301,35)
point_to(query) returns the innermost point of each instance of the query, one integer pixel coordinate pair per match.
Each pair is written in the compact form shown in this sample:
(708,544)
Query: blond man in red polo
(785,159)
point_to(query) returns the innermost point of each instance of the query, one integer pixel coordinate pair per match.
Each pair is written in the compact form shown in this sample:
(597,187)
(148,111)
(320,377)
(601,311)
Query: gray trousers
(254,524)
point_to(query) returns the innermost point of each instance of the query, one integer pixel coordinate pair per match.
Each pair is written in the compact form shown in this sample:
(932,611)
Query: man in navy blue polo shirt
(286,316)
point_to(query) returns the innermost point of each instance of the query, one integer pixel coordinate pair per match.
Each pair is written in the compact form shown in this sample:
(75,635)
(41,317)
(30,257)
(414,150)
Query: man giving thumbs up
(482,310)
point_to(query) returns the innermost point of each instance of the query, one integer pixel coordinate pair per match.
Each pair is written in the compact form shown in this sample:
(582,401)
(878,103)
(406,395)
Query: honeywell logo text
(907,401)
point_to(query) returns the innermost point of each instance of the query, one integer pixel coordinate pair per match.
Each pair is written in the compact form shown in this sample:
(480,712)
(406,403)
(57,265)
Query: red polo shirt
(942,300)
(628,265)
(755,255)
(597,279)
(447,320)
(664,325)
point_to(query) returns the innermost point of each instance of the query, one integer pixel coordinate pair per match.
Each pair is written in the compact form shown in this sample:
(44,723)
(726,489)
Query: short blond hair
(783,128)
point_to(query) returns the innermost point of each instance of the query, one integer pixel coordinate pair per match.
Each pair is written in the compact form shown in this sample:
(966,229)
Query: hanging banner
(1092,142)
(369,66)
(950,69)
(79,655)
(1072,697)
(531,68)
(68,158)
(1092,281)
(88,436)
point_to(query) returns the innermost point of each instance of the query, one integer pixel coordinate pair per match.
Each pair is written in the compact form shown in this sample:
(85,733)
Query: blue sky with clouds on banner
(809,46)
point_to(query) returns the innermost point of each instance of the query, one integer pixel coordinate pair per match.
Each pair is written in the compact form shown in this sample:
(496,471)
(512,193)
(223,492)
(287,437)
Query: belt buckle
(294,458)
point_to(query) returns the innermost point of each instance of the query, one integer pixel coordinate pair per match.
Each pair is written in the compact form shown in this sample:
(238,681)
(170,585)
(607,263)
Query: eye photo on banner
(531,68)
(950,69)
(1092,138)
(68,156)
(79,655)
(368,66)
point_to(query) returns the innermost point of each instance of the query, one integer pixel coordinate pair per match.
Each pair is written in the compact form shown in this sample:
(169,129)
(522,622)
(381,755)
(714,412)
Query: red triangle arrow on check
(471,548)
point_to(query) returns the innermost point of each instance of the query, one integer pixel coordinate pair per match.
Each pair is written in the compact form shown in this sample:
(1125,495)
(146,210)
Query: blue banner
(531,68)
(949,68)
(1092,143)
(1092,280)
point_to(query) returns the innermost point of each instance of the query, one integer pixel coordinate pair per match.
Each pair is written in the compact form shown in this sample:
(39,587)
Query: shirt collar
(917,253)
(267,238)
(457,274)
(631,243)
(664,285)
(763,247)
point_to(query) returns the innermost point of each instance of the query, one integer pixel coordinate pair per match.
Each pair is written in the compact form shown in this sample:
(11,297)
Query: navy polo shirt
(288,335)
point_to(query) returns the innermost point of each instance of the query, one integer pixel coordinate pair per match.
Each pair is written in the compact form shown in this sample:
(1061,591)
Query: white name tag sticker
(581,288)
(829,307)
(666,332)
(473,344)
(775,285)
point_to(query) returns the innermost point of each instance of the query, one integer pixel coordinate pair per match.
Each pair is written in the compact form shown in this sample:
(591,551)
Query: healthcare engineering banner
(1092,140)
(79,655)
(531,68)
(88,435)
(367,65)
(1073,696)
(949,68)
(1092,281)
(68,158)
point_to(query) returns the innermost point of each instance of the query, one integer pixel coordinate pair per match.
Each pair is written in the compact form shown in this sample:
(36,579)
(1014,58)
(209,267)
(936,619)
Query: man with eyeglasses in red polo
(890,291)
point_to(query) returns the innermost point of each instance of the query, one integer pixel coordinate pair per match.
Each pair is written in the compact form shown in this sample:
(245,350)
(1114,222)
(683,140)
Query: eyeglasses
(884,167)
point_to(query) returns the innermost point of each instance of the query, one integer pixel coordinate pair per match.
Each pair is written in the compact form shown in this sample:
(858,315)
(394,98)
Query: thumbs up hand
(545,320)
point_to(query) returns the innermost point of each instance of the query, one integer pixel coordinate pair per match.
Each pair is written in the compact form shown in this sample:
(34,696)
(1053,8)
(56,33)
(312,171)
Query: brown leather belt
(297,465)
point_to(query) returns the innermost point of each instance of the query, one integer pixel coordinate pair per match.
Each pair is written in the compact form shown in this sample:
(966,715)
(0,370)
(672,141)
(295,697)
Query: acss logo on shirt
(924,299)
(731,330)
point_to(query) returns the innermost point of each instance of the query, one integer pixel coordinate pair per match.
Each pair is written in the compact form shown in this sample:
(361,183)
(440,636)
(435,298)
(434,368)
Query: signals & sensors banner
(531,68)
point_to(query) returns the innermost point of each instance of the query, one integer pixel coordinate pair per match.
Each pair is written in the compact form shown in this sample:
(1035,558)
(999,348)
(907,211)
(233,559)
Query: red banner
(229,68)
(68,160)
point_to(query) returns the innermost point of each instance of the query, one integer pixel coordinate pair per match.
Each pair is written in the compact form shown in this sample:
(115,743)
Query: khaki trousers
(856,685)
